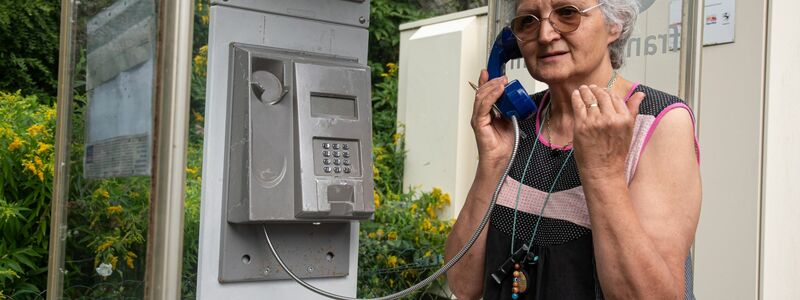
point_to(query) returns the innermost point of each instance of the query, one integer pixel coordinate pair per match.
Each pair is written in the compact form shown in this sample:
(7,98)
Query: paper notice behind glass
(719,22)
(119,83)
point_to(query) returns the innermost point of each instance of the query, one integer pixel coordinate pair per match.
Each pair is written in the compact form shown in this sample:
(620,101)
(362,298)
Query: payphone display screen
(333,106)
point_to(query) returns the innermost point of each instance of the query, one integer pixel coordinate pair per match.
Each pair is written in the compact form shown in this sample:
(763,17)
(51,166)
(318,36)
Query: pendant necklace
(517,259)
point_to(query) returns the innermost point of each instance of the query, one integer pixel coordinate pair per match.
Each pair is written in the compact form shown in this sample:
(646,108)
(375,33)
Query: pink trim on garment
(630,93)
(568,205)
(658,119)
(541,106)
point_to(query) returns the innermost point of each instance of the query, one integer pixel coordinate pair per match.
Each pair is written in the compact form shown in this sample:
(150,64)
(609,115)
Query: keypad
(336,158)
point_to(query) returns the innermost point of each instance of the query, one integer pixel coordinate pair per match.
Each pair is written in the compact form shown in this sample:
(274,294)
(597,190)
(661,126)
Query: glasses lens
(566,19)
(524,27)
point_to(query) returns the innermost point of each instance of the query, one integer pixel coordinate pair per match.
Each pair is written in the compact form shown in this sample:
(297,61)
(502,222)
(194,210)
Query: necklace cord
(546,114)
(441,270)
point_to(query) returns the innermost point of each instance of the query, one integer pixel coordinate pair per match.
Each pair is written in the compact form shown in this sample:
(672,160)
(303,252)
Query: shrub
(26,172)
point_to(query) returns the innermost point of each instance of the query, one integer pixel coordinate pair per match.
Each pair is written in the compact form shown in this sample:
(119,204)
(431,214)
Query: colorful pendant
(519,283)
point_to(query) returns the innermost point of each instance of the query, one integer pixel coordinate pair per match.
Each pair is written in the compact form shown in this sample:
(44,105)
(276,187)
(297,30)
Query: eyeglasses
(566,20)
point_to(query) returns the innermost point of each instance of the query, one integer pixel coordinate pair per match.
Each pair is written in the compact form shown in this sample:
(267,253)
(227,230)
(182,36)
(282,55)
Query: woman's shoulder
(657,102)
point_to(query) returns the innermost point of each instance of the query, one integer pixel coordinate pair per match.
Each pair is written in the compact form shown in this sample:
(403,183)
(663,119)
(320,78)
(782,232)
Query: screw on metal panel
(310,269)
(316,223)
(266,271)
(362,20)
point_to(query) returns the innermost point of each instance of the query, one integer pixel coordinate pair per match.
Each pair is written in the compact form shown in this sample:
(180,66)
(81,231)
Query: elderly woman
(604,197)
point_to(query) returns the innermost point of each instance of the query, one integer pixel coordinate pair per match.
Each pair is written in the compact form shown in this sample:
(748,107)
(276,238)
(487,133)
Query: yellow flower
(16,144)
(38,161)
(129,259)
(113,260)
(105,245)
(35,129)
(436,193)
(102,193)
(379,232)
(392,68)
(376,198)
(50,113)
(376,174)
(40,174)
(431,212)
(414,208)
(30,166)
(192,171)
(396,137)
(392,261)
(441,227)
(43,148)
(426,224)
(428,253)
(114,209)
(392,235)
(371,235)
(204,19)
(445,199)
(197,116)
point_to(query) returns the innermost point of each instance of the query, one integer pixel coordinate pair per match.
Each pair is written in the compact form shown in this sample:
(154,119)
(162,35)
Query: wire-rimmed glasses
(566,19)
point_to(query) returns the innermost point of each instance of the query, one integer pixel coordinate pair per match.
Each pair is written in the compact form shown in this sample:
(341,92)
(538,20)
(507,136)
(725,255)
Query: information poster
(119,83)
(719,22)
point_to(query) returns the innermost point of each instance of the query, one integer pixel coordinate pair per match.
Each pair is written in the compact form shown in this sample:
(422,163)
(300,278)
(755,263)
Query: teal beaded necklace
(519,281)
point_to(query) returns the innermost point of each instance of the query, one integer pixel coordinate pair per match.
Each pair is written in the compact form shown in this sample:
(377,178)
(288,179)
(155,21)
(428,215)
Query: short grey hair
(622,13)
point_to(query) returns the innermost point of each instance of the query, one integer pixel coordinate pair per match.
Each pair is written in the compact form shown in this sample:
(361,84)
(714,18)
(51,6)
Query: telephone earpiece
(515,101)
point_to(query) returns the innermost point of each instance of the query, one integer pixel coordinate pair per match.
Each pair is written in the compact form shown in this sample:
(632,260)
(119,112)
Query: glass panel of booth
(110,144)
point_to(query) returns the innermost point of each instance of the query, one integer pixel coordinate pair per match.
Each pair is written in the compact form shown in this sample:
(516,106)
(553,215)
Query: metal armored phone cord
(438,273)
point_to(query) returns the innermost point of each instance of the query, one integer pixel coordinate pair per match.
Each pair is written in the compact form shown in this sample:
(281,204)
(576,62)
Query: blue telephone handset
(515,101)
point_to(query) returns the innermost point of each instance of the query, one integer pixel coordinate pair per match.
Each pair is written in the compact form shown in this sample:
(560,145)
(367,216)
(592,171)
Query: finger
(578,107)
(589,100)
(487,96)
(618,103)
(603,99)
(634,103)
(483,78)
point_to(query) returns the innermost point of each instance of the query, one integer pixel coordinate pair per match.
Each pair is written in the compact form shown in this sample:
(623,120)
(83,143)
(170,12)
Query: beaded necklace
(519,284)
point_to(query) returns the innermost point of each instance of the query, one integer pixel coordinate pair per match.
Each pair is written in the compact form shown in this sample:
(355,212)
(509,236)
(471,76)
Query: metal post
(58,208)
(691,53)
(691,59)
(173,67)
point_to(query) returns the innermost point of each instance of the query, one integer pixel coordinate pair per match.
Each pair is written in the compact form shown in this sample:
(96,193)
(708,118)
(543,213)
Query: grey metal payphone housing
(300,137)
(297,145)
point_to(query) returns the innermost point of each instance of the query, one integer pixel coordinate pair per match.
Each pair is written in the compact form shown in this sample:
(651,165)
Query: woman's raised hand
(603,131)
(495,136)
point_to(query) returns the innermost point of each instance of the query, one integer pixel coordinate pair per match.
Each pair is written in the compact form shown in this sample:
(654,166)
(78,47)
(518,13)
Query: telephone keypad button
(336,161)
(326,153)
(346,162)
(326,161)
(347,169)
(345,147)
(335,153)
(335,146)
(337,169)
(326,169)
(345,154)
(326,146)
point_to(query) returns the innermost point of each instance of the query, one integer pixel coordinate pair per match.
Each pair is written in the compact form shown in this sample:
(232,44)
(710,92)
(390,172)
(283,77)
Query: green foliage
(26,172)
(29,55)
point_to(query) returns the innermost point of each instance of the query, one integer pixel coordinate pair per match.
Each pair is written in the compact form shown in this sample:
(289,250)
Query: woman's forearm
(466,277)
(628,263)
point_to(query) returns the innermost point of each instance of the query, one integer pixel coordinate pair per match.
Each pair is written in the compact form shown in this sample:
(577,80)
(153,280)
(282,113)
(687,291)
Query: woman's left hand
(603,128)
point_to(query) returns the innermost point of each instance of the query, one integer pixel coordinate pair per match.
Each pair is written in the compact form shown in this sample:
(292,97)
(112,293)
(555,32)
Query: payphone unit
(299,137)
